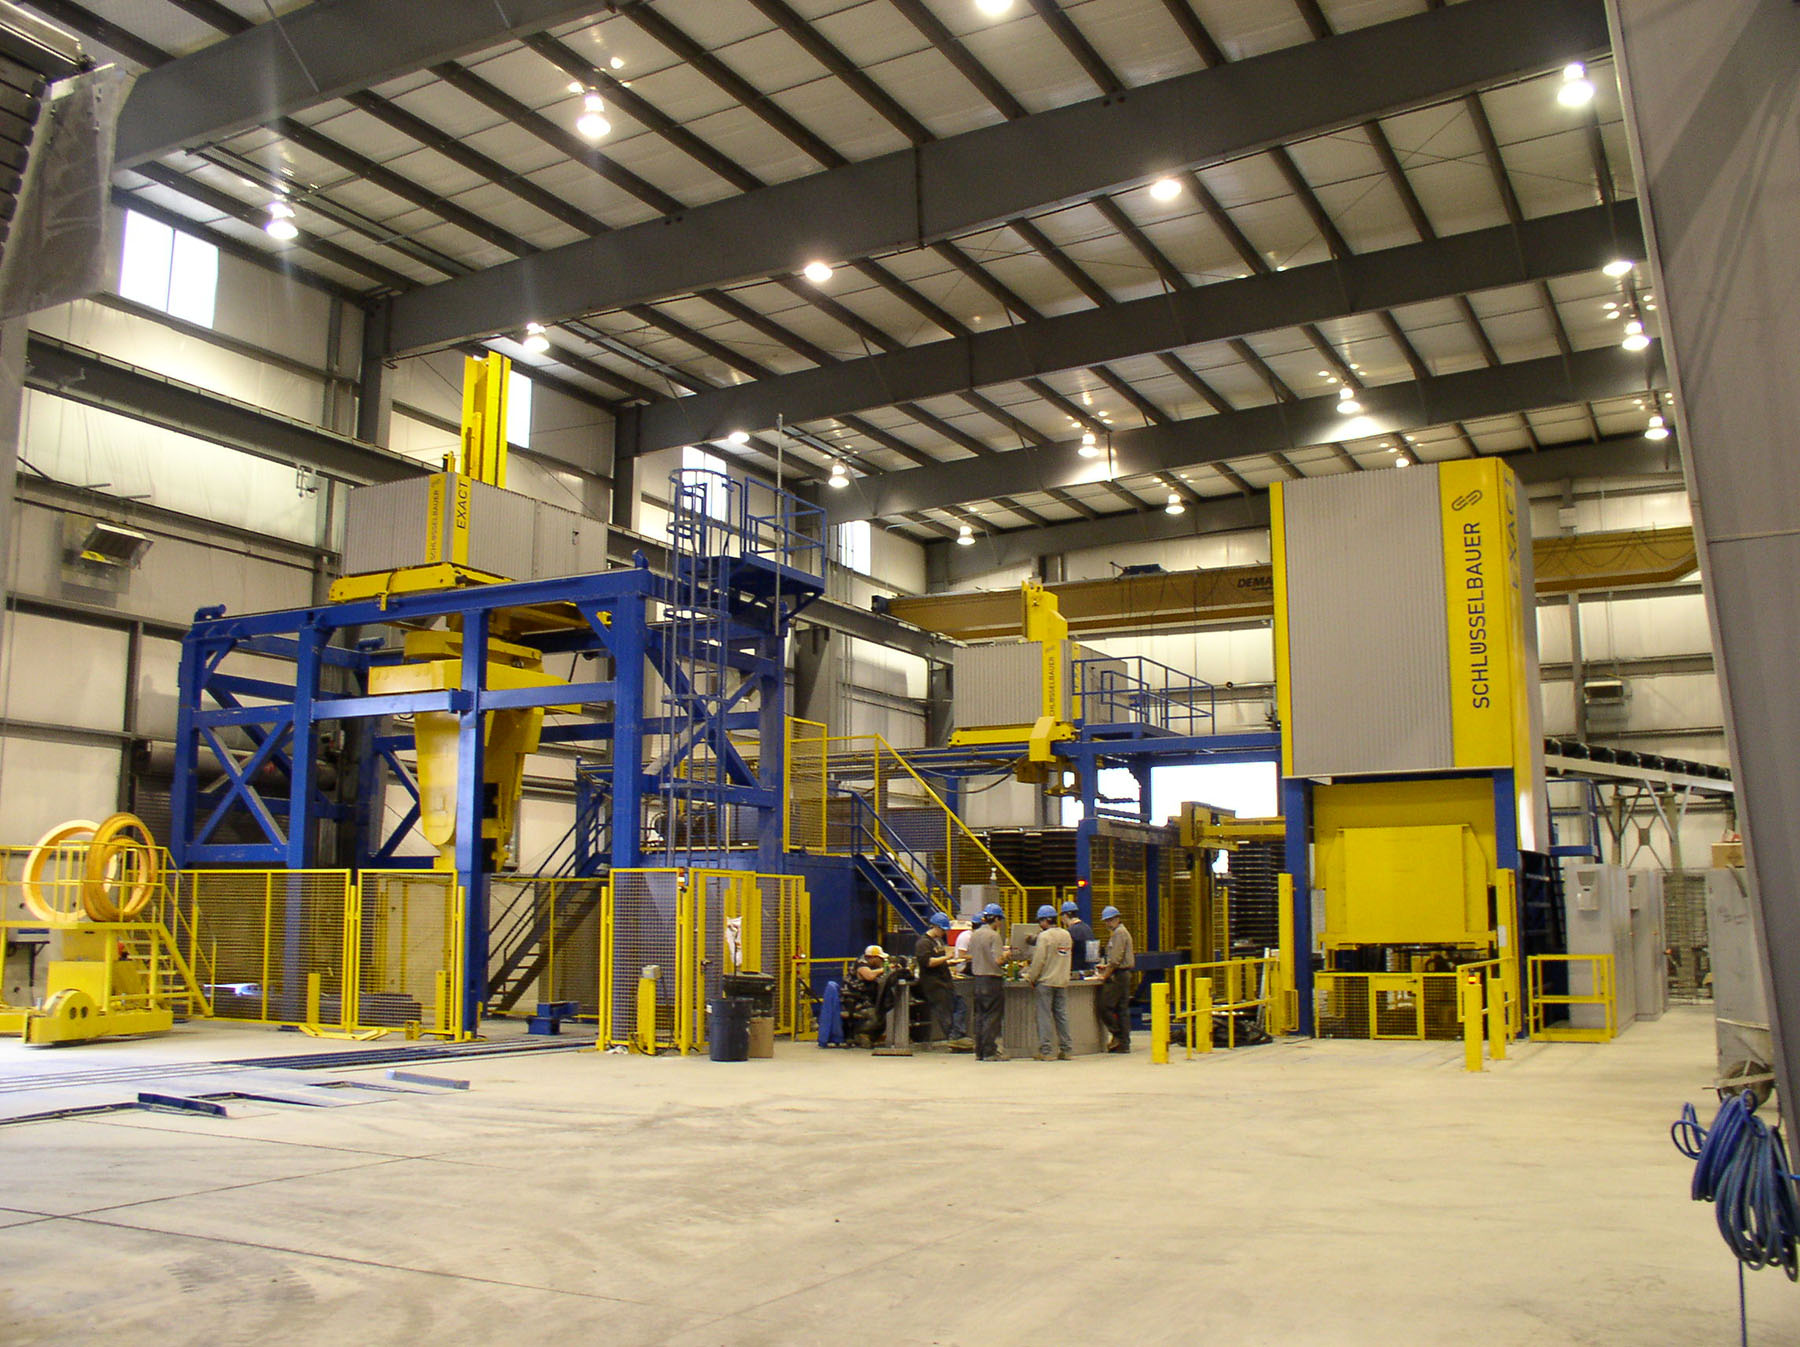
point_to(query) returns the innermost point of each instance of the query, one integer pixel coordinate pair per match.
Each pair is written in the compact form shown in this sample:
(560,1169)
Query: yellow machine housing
(96,990)
(1042,625)
(434,664)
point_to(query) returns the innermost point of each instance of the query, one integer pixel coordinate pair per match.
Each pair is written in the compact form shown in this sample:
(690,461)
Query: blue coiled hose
(1741,1167)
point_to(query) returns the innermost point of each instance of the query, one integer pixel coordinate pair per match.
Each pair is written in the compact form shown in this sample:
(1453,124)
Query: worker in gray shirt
(987,952)
(1048,977)
(1115,981)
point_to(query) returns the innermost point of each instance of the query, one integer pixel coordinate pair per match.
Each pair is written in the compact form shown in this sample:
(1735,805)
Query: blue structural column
(629,638)
(183,795)
(771,767)
(301,820)
(1296,808)
(471,796)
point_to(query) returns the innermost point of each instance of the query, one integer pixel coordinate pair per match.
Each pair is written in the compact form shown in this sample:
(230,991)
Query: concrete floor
(1298,1193)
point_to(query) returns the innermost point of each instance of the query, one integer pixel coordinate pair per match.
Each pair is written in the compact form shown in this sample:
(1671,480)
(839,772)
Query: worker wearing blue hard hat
(1081,938)
(987,953)
(933,956)
(1114,1000)
(1048,978)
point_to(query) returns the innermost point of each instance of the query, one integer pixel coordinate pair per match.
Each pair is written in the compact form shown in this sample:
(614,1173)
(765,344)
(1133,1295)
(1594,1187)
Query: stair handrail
(171,925)
(902,853)
(1001,875)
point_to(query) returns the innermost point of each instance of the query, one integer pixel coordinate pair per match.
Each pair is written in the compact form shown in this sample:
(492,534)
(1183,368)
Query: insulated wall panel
(1366,625)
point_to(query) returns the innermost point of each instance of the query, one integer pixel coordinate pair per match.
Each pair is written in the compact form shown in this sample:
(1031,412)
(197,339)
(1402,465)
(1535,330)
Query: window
(853,546)
(167,270)
(518,410)
(718,493)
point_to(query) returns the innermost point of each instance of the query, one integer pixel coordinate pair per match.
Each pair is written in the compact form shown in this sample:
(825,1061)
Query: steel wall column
(1712,108)
(375,383)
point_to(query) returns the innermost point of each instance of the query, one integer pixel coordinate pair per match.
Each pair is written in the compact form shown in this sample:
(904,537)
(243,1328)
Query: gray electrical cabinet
(1649,946)
(1598,907)
(1740,996)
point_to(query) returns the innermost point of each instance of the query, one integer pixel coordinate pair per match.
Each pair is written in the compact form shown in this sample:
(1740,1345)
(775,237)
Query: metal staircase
(896,872)
(519,949)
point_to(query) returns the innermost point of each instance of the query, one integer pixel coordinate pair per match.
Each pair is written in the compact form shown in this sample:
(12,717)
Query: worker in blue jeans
(1048,977)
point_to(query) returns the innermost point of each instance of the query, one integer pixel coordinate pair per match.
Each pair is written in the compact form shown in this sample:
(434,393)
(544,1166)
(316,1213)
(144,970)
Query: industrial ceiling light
(1659,429)
(1577,89)
(1618,267)
(1635,340)
(592,123)
(281,224)
(965,536)
(1347,403)
(1402,461)
(817,272)
(1174,506)
(1165,189)
(617,63)
(1090,445)
(840,475)
(993,8)
(536,341)
(739,438)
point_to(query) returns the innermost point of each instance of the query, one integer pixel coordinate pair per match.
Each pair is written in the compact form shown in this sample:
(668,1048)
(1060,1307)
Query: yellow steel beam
(1596,561)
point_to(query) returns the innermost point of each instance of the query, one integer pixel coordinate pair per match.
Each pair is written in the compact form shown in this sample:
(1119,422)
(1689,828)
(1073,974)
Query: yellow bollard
(646,1011)
(1472,1021)
(1202,1026)
(1159,1024)
(1496,1017)
(312,999)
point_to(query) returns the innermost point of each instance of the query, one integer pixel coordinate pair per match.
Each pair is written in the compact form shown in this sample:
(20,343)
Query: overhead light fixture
(1090,445)
(592,123)
(965,536)
(840,475)
(1618,267)
(535,339)
(1635,340)
(1165,189)
(1174,506)
(738,437)
(1659,429)
(1347,403)
(281,224)
(1577,89)
(993,8)
(817,272)
(617,63)
(1402,461)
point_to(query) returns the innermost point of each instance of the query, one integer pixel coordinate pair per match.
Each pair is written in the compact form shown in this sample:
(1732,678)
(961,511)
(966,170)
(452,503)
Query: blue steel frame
(616,619)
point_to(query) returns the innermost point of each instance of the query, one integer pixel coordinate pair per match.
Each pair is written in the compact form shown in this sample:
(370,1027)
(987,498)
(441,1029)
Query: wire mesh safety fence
(325,950)
(1118,868)
(410,942)
(1415,1004)
(545,945)
(669,937)
(804,825)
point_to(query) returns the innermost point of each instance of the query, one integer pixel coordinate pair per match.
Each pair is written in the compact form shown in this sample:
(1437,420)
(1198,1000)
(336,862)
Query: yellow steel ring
(108,846)
(49,846)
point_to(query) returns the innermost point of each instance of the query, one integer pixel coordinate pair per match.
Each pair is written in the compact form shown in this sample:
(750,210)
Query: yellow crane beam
(1623,559)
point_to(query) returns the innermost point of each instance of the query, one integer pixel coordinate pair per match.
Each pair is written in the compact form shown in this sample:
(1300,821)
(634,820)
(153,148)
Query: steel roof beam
(307,57)
(1389,409)
(1548,247)
(983,177)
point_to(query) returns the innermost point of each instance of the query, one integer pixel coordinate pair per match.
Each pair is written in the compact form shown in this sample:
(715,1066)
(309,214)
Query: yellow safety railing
(1225,986)
(1592,971)
(913,820)
(409,972)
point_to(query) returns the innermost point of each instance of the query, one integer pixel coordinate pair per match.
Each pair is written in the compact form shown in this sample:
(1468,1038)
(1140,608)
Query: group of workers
(1059,952)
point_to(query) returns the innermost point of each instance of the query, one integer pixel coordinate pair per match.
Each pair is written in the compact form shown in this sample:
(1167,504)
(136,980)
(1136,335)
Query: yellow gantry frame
(485,381)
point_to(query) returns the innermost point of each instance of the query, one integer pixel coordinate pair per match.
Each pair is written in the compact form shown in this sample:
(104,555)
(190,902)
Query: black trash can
(728,1029)
(757,988)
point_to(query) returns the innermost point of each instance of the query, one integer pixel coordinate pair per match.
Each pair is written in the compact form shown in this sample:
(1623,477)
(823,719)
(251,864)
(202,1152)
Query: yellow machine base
(74,1017)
